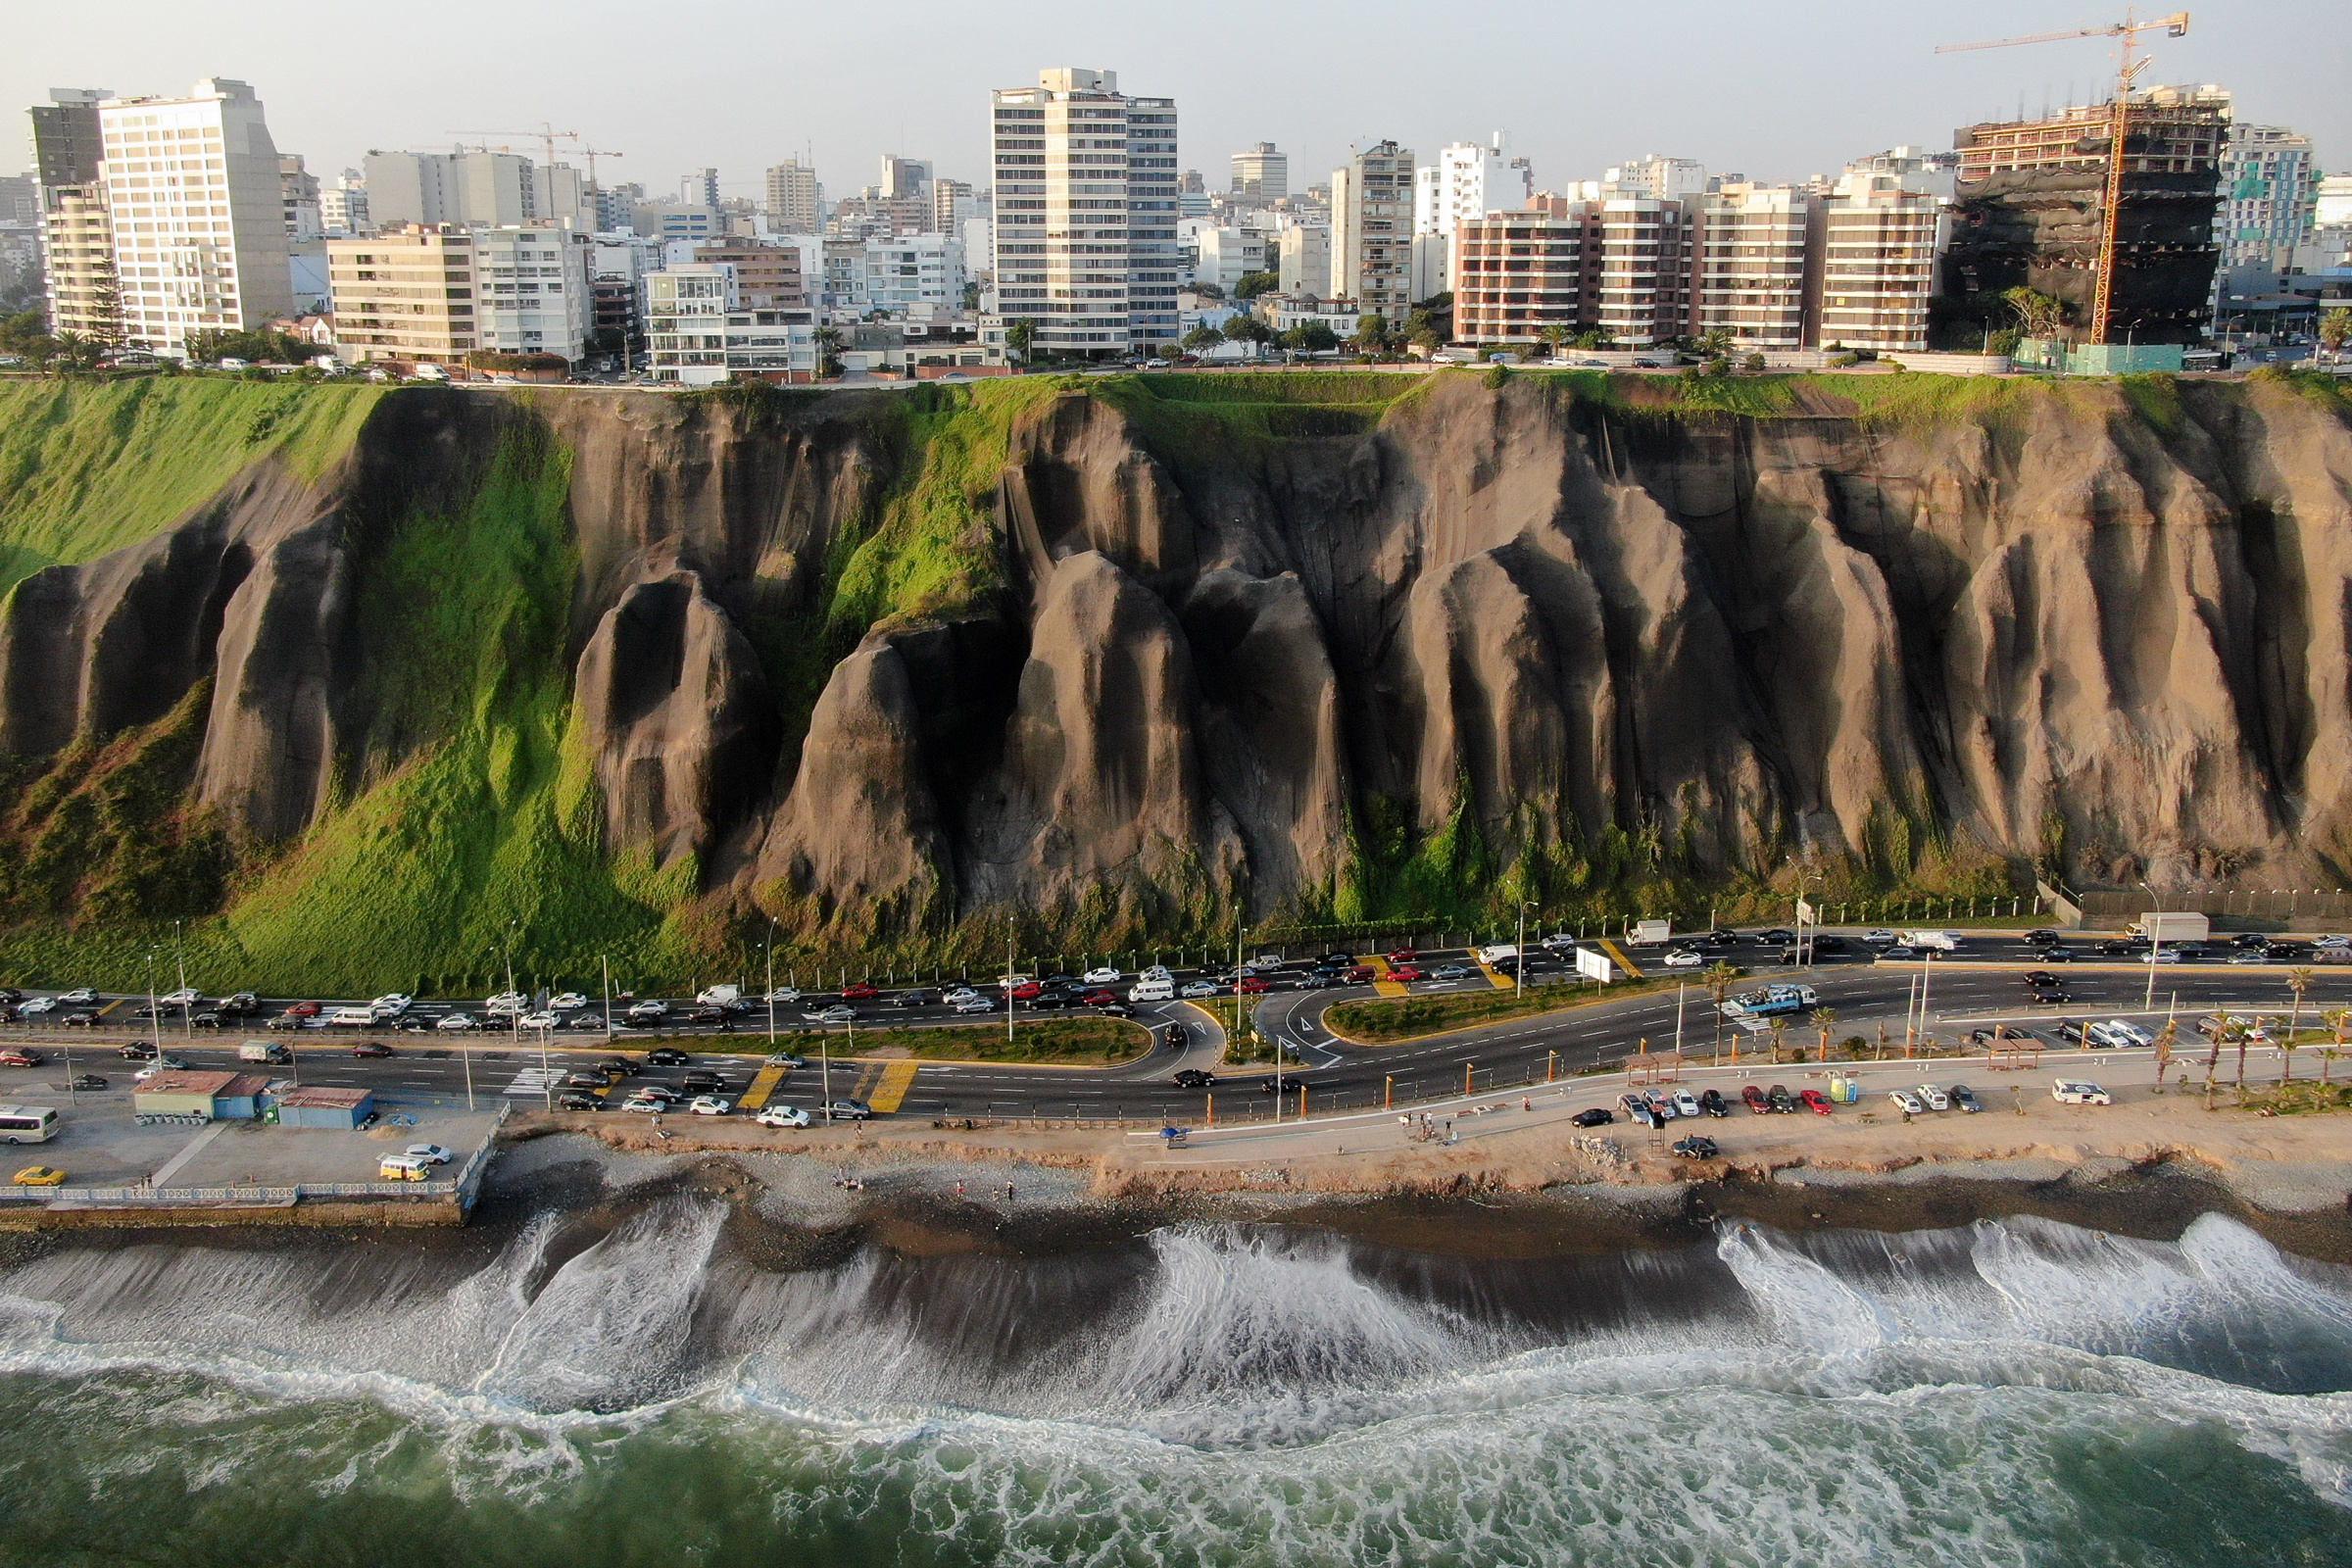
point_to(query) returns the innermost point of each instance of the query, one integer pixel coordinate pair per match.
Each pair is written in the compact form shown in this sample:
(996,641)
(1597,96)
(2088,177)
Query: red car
(1757,1104)
(1361,974)
(1814,1103)
(304,1009)
(1406,972)
(19,1058)
(1097,999)
(1403,954)
(1251,985)
(372,1048)
(1027,991)
(860,991)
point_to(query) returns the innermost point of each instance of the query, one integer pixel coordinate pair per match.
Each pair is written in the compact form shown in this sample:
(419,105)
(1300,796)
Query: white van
(1161,990)
(348,1018)
(1498,953)
(28,1124)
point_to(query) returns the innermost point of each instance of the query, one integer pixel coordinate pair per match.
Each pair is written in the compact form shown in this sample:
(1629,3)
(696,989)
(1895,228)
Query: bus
(28,1124)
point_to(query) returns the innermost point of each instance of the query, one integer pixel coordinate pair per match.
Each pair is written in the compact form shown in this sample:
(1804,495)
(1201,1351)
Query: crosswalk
(891,1092)
(536,1082)
(1382,983)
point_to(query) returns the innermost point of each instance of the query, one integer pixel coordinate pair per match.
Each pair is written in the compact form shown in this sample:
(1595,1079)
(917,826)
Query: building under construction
(2028,211)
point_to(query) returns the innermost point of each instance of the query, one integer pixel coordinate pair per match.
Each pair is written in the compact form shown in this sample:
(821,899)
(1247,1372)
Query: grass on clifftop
(1084,1042)
(86,469)
(1386,1020)
(1204,415)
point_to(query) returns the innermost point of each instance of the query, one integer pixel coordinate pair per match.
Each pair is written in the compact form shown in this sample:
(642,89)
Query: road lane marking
(1381,981)
(1502,982)
(762,1086)
(896,1078)
(1617,955)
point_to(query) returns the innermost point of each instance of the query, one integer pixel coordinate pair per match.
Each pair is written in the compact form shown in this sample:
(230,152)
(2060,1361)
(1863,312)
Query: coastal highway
(1978,989)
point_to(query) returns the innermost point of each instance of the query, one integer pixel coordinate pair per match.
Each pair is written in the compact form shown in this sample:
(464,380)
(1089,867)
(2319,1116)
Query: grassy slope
(86,469)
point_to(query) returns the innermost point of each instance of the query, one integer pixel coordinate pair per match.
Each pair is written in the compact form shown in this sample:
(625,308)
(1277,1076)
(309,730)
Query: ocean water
(2013,1393)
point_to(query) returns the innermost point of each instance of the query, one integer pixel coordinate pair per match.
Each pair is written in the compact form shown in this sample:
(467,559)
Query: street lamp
(772,987)
(1519,956)
(187,1012)
(2155,926)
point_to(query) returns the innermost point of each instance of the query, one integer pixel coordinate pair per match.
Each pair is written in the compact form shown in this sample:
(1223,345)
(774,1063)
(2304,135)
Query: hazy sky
(1770,90)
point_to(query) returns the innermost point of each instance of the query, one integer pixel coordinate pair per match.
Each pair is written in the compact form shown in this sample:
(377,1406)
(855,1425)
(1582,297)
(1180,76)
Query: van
(402,1169)
(28,1124)
(1498,953)
(348,1018)
(431,373)
(264,1050)
(1163,990)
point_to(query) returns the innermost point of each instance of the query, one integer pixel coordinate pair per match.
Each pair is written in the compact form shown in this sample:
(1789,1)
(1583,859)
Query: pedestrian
(959,1189)
(1008,1191)
(1526,1102)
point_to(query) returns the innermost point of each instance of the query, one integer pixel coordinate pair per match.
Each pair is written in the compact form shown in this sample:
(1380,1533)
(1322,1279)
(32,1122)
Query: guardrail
(165,1196)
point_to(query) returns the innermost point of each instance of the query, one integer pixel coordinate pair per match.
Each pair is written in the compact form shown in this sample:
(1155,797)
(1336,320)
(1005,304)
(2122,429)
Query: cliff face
(1127,657)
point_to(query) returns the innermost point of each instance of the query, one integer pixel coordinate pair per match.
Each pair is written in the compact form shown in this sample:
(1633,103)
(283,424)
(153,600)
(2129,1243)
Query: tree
(1822,1017)
(1592,340)
(2164,1049)
(1371,332)
(2039,315)
(1719,977)
(106,306)
(1780,1032)
(2335,329)
(1018,338)
(1169,352)
(2335,1018)
(1252,284)
(2299,980)
(1715,344)
(1246,329)
(1202,338)
(828,347)
(1755,361)
(1317,337)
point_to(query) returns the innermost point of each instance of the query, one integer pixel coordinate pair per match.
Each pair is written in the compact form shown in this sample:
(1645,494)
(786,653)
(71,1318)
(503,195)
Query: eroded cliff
(589,673)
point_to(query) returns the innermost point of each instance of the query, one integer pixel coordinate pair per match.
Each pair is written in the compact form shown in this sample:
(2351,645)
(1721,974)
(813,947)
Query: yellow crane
(592,154)
(547,135)
(2126,71)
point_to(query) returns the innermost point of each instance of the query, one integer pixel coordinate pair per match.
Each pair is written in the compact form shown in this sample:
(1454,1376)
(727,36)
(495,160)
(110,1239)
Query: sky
(1770,90)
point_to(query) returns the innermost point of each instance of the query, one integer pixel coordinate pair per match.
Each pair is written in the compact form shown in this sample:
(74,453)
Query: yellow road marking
(1381,981)
(896,1079)
(863,1089)
(1503,982)
(762,1086)
(1617,955)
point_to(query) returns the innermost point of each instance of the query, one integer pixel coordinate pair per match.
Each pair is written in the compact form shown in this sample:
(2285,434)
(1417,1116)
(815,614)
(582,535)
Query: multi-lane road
(1979,987)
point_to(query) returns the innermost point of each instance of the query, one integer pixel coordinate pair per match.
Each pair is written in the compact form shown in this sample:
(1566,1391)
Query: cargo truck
(1938,940)
(1773,1002)
(2183,926)
(1650,933)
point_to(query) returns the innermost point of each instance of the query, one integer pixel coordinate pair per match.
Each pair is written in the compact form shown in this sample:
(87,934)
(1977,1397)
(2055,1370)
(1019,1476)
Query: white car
(785,1060)
(1158,971)
(568,1001)
(1906,1100)
(431,1153)
(85,994)
(1686,1104)
(1684,958)
(507,1002)
(394,1001)
(2081,1092)
(537,1020)
(1935,1097)
(649,1011)
(1269,960)
(182,997)
(975,1004)
(2334,942)
(454,1021)
(839,1013)
(958,994)
(717,996)
(40,1004)
(1197,987)
(145,1073)
(1010,982)
(642,1104)
(2120,1034)
(710,1105)
(785,994)
(1103,977)
(1881,937)
(782,1116)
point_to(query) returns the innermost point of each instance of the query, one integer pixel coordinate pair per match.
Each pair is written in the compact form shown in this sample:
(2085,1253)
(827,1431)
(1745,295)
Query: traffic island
(1400,1020)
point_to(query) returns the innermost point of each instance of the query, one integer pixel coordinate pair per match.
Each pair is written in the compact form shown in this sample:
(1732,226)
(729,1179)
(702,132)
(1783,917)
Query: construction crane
(547,135)
(2128,69)
(592,154)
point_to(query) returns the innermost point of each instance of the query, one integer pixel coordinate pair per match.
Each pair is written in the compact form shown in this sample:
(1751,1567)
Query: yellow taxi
(40,1176)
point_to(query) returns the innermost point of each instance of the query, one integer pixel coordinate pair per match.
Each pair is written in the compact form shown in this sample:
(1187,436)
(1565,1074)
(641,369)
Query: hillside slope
(372,688)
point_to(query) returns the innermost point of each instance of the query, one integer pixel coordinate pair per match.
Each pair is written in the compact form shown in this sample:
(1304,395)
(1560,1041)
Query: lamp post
(771,985)
(2154,926)
(187,1011)
(155,1018)
(1519,955)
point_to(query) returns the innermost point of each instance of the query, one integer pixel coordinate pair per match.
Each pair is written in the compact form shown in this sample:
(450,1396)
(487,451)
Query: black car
(712,1017)
(2250,939)
(1195,1078)
(2117,949)
(1712,1102)
(585,1080)
(1116,1010)
(2042,936)
(1777,933)
(1718,939)
(1780,1100)
(208,1020)
(703,1083)
(617,1066)
(667,1056)
(1595,1117)
(87,1083)
(10,995)
(2057,954)
(2070,1031)
(2281,951)
(1047,1002)
(915,999)
(574,1099)
(2053,994)
(1829,944)
(2038,977)
(81,1020)
(1695,1148)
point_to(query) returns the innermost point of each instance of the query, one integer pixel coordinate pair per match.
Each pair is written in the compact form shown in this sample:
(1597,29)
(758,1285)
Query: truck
(1772,1002)
(264,1050)
(1651,933)
(1930,941)
(2182,926)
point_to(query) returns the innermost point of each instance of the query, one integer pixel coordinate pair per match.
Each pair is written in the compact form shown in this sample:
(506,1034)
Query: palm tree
(2335,1018)
(2164,1049)
(1780,1028)
(1719,978)
(1822,1017)
(2299,980)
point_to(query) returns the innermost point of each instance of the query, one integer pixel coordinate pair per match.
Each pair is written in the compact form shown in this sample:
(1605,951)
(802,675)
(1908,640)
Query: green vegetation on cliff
(87,468)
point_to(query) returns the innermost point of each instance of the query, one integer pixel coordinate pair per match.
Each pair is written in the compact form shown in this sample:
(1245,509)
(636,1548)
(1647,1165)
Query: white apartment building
(1086,199)
(1262,172)
(2269,191)
(343,206)
(1660,178)
(300,189)
(912,270)
(404,295)
(197,213)
(1881,240)
(531,291)
(686,313)
(1754,258)
(1303,260)
(1468,180)
(1228,255)
(478,187)
(1283,311)
(1371,231)
(1518,273)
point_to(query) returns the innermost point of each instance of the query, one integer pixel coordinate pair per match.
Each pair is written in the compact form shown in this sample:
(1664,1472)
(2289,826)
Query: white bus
(28,1124)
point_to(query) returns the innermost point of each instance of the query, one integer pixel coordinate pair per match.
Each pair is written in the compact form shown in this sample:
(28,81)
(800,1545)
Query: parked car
(1712,1102)
(431,1153)
(1815,1101)
(1755,1100)
(1935,1097)
(1695,1148)
(851,1111)
(710,1105)
(1597,1117)
(1782,1101)
(2081,1092)
(782,1116)
(40,1176)
(1638,1109)
(1686,1104)
(1964,1099)
(1905,1100)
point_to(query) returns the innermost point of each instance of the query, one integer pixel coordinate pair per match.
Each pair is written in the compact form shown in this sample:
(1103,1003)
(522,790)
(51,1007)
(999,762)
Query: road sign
(1806,914)
(1594,965)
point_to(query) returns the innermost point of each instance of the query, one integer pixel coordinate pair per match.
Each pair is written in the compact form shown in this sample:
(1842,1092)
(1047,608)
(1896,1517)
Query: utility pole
(2155,926)
(771,985)
(1519,959)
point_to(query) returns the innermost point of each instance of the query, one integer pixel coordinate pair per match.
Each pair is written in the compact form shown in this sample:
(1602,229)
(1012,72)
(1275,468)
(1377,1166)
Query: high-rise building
(1641,276)
(1881,237)
(1085,204)
(2269,193)
(501,189)
(343,206)
(952,202)
(1518,273)
(198,212)
(1303,260)
(77,244)
(1755,256)
(686,321)
(1371,231)
(791,197)
(1469,179)
(766,277)
(1262,172)
(298,187)
(904,178)
(404,295)
(1660,178)
(2026,211)
(699,188)
(530,290)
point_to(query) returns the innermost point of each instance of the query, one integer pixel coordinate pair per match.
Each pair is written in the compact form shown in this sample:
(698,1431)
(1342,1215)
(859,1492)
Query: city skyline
(1733,109)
